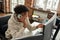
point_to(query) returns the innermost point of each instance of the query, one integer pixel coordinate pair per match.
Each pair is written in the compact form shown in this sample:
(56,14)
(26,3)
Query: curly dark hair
(20,8)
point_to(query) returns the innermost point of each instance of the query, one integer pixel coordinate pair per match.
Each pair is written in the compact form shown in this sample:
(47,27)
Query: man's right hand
(25,24)
(40,26)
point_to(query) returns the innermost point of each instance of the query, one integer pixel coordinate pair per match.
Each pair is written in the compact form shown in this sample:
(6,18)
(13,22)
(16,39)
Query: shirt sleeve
(29,25)
(14,32)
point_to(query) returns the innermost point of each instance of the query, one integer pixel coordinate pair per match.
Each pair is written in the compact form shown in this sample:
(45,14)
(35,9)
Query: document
(38,30)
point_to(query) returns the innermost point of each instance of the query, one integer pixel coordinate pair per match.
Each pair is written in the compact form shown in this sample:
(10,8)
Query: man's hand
(40,26)
(25,24)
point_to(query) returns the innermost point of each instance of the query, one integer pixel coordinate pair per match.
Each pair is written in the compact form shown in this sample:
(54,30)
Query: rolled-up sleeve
(31,28)
(14,32)
(10,31)
(29,25)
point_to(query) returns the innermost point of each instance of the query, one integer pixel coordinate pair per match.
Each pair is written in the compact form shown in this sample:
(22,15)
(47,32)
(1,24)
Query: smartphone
(19,16)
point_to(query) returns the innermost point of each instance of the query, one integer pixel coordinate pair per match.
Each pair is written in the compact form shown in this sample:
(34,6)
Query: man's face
(49,16)
(24,16)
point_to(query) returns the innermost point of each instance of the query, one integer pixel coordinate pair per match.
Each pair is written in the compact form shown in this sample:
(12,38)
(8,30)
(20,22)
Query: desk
(38,37)
(2,14)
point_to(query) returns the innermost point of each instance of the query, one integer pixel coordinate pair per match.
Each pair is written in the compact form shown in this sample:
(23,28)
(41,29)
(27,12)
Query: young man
(18,22)
(48,17)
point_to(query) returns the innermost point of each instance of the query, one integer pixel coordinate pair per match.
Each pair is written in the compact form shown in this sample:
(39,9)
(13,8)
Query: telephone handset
(19,16)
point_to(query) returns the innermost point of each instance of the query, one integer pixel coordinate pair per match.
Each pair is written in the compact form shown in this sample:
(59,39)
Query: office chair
(57,29)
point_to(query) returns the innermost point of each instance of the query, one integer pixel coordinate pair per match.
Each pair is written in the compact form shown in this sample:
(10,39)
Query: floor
(58,35)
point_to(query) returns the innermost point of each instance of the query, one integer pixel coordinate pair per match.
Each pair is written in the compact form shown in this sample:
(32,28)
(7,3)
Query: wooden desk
(3,14)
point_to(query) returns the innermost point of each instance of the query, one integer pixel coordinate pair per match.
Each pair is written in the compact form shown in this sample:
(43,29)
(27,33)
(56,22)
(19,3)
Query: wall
(1,5)
(58,9)
(6,6)
(41,14)
(29,3)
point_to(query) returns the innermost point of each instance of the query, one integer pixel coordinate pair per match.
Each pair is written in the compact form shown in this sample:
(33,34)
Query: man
(49,15)
(18,22)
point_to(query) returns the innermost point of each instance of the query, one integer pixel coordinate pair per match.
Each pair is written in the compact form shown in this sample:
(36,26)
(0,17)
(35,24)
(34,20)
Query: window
(52,4)
(21,2)
(39,4)
(49,4)
(46,4)
(13,3)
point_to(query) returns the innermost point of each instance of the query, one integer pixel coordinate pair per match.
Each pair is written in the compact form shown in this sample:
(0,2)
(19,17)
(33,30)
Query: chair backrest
(4,24)
(4,20)
(57,21)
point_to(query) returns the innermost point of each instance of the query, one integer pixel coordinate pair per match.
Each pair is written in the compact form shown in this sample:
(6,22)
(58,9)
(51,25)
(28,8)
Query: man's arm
(28,25)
